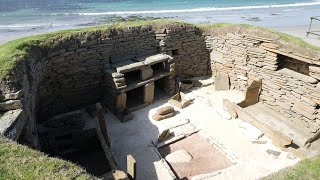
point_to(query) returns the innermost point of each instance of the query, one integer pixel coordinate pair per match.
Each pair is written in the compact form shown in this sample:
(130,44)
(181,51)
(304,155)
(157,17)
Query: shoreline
(290,21)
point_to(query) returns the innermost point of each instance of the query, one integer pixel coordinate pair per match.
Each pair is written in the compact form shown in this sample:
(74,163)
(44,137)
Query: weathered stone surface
(272,152)
(222,83)
(117,75)
(179,156)
(298,76)
(131,167)
(257,50)
(121,101)
(119,80)
(127,66)
(148,93)
(165,110)
(216,56)
(180,100)
(150,60)
(11,96)
(146,73)
(163,135)
(116,175)
(159,117)
(252,94)
(10,105)
(7,119)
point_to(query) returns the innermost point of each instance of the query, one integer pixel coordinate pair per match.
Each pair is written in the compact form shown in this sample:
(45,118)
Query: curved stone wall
(69,74)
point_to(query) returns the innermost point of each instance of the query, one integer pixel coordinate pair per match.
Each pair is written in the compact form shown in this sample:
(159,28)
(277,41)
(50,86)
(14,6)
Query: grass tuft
(20,162)
(305,169)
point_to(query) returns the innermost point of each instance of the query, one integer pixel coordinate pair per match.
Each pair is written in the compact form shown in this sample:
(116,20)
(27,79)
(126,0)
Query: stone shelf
(142,83)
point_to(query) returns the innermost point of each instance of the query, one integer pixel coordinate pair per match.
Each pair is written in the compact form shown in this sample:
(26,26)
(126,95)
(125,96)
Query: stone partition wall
(290,75)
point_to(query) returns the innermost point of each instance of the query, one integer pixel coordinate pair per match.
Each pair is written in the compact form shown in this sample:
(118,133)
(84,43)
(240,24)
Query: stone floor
(234,138)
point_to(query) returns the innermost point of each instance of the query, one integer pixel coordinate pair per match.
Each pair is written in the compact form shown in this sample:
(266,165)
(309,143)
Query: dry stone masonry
(130,67)
(290,81)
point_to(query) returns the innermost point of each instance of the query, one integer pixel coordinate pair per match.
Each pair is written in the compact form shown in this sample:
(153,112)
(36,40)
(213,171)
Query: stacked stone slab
(12,115)
(187,47)
(289,81)
(81,69)
(117,84)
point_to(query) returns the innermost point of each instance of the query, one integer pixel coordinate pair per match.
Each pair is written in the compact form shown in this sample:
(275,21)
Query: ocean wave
(33,26)
(289,10)
(196,9)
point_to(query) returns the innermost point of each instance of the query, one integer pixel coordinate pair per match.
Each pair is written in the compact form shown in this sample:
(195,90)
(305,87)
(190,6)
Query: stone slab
(154,59)
(128,66)
(148,93)
(222,83)
(298,76)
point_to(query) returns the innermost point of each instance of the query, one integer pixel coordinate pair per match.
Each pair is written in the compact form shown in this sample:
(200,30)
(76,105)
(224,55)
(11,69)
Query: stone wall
(70,73)
(67,74)
(188,48)
(290,79)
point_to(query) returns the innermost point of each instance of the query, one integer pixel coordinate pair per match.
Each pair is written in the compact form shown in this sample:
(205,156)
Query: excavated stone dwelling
(50,95)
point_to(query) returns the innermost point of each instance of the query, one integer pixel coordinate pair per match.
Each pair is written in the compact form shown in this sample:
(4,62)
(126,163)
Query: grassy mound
(15,50)
(20,162)
(283,36)
(305,169)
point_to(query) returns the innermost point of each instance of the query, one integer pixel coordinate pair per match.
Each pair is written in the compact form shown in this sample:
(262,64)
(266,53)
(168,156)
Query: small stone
(180,156)
(165,110)
(272,152)
(159,117)
(163,135)
(10,105)
(259,142)
(117,75)
(291,156)
(11,96)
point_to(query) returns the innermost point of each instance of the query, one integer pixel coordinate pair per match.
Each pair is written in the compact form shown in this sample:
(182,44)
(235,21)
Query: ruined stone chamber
(288,77)
(50,101)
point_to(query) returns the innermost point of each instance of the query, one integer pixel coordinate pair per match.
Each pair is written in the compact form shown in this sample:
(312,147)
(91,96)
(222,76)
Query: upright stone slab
(148,93)
(146,73)
(222,83)
(131,167)
(252,94)
(121,101)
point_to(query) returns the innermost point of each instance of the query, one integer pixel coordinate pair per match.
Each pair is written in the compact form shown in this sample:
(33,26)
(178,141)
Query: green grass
(307,169)
(282,36)
(20,162)
(16,50)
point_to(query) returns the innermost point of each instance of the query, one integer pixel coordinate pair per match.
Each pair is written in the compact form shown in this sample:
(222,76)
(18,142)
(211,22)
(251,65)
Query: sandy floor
(251,160)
